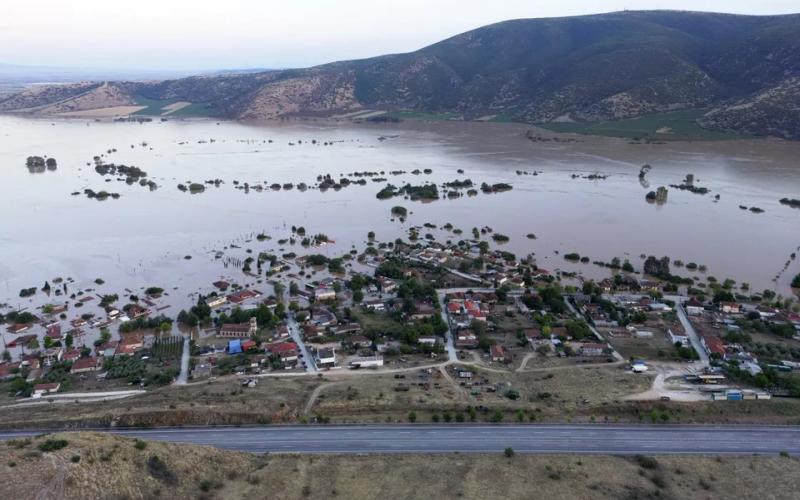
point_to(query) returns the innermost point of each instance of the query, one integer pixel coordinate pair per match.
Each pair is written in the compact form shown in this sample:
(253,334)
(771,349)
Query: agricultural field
(672,126)
(166,107)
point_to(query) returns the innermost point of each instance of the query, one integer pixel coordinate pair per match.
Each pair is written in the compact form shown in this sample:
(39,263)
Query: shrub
(646,462)
(53,445)
(508,452)
(159,470)
(139,444)
(75,459)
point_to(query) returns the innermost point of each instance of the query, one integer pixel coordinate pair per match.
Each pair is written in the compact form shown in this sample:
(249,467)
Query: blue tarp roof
(234,346)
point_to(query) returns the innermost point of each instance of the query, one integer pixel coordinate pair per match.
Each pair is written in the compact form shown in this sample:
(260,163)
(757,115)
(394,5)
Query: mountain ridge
(580,68)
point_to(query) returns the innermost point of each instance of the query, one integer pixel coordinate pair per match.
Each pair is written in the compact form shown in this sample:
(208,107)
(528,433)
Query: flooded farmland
(584,196)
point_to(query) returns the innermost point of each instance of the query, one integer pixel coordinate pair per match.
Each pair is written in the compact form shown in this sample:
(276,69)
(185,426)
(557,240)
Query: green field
(671,126)
(420,115)
(156,108)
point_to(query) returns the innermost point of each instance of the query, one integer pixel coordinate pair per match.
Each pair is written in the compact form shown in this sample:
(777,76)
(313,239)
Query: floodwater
(141,239)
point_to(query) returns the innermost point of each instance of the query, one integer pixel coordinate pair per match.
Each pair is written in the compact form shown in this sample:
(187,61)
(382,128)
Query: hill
(741,71)
(90,466)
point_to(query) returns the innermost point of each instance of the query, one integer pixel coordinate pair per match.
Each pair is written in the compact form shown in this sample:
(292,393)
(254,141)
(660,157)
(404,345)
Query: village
(403,309)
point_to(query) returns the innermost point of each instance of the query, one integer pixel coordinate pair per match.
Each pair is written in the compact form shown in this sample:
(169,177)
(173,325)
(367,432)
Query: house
(129,345)
(136,311)
(52,356)
(248,344)
(217,301)
(77,322)
(429,340)
(71,355)
(387,285)
(84,365)
(108,349)
(282,332)
(366,362)
(221,285)
(729,307)
(592,350)
(46,388)
(375,305)
(239,330)
(534,337)
(324,293)
(347,328)
(713,345)
(322,317)
(31,361)
(54,331)
(243,295)
(9,370)
(326,358)
(422,311)
(466,339)
(499,354)
(693,307)
(18,328)
(676,338)
(286,351)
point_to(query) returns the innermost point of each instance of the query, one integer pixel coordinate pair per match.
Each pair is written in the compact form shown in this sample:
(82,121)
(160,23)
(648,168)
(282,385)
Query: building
(239,330)
(676,338)
(592,350)
(730,307)
(286,351)
(46,388)
(375,305)
(84,365)
(366,362)
(324,293)
(499,354)
(693,307)
(217,301)
(326,358)
(18,328)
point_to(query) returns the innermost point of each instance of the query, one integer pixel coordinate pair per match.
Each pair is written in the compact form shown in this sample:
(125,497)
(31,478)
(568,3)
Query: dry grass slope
(93,466)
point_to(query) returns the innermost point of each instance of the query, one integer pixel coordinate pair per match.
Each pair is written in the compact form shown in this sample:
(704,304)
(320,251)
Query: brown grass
(114,467)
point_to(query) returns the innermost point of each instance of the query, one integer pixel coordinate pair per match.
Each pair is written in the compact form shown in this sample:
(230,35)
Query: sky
(234,34)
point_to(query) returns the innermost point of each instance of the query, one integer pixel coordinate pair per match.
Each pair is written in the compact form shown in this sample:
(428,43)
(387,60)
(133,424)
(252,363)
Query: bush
(646,462)
(139,444)
(53,445)
(508,452)
(412,417)
(159,470)
(75,459)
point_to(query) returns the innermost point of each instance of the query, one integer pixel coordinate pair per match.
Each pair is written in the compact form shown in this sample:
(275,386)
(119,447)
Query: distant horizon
(181,37)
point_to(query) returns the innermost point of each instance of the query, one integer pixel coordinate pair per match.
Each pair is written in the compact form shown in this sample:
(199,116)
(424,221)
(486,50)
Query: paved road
(297,337)
(690,331)
(183,376)
(476,438)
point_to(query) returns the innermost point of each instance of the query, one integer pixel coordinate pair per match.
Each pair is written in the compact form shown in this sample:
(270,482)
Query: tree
(279,291)
(508,452)
(796,281)
(68,340)
(412,416)
(358,296)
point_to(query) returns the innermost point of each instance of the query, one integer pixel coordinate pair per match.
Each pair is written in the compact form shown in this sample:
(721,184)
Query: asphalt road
(476,438)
